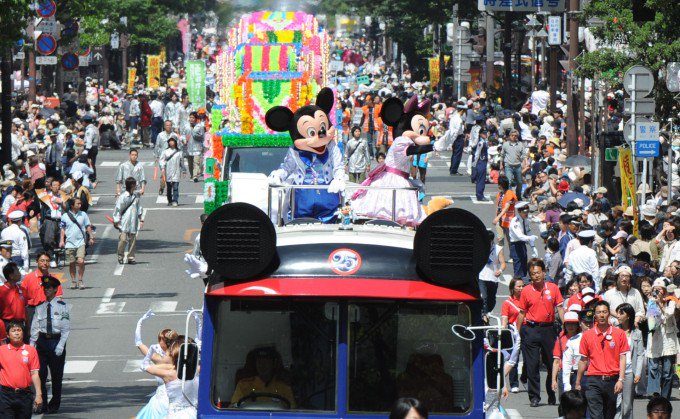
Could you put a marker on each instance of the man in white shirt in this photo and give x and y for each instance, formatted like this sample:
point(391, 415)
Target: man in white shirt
point(584, 258)
point(162, 145)
point(539, 99)
point(519, 235)
point(455, 135)
point(156, 116)
point(91, 142)
point(488, 276)
point(625, 293)
point(19, 239)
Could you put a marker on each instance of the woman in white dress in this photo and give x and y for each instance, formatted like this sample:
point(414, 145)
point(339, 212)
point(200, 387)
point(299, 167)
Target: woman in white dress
point(157, 407)
point(182, 402)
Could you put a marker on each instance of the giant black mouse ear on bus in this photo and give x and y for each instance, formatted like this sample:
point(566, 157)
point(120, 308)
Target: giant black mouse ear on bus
point(238, 241)
point(451, 247)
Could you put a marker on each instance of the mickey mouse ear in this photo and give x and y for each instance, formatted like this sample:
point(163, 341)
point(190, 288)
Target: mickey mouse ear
point(411, 105)
point(279, 118)
point(391, 111)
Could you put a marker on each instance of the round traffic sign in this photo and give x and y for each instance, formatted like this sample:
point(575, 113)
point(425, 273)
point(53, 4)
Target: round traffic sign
point(47, 8)
point(638, 79)
point(69, 61)
point(46, 44)
point(84, 51)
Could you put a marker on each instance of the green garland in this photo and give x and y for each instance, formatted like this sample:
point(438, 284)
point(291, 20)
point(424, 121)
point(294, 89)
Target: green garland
point(257, 140)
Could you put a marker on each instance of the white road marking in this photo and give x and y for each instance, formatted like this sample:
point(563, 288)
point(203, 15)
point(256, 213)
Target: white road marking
point(200, 199)
point(132, 365)
point(98, 245)
point(163, 306)
point(162, 199)
point(475, 201)
point(108, 308)
point(118, 163)
point(107, 295)
point(119, 269)
point(513, 413)
point(95, 200)
point(79, 367)
point(462, 165)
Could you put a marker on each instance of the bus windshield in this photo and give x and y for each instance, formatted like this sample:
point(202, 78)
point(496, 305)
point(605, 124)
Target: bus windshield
point(274, 354)
point(256, 159)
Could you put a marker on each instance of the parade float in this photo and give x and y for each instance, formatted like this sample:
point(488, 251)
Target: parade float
point(272, 58)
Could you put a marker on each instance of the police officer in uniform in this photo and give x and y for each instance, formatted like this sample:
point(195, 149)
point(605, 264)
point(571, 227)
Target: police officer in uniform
point(19, 239)
point(49, 332)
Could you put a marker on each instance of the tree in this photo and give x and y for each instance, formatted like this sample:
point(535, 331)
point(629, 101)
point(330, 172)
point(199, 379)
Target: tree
point(13, 16)
point(624, 43)
point(405, 22)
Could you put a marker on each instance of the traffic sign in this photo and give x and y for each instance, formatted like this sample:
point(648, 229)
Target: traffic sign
point(46, 8)
point(611, 154)
point(629, 128)
point(647, 131)
point(70, 76)
point(19, 56)
point(69, 61)
point(46, 44)
point(97, 55)
point(644, 106)
point(464, 77)
point(647, 149)
point(71, 28)
point(83, 61)
point(644, 80)
point(46, 60)
point(48, 26)
point(463, 65)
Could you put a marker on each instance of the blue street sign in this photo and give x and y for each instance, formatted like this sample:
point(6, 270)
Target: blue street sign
point(47, 8)
point(647, 148)
point(20, 43)
point(46, 44)
point(69, 61)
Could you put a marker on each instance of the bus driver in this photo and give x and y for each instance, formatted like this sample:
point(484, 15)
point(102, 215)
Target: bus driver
point(268, 369)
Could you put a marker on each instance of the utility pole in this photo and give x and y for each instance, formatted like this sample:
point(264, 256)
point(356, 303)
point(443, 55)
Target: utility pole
point(490, 44)
point(572, 111)
point(6, 102)
point(507, 60)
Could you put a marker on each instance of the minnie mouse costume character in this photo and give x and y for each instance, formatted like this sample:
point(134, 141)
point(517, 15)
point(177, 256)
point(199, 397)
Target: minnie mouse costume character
point(314, 159)
point(410, 127)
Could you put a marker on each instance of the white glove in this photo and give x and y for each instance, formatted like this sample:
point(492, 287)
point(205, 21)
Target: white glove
point(534, 252)
point(337, 185)
point(138, 329)
point(197, 267)
point(275, 178)
point(532, 240)
point(567, 386)
point(58, 351)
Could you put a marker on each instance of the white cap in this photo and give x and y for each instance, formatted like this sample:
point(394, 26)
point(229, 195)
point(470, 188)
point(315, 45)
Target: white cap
point(574, 307)
point(586, 234)
point(16, 215)
point(620, 235)
point(587, 290)
point(521, 204)
point(624, 268)
point(571, 317)
point(660, 282)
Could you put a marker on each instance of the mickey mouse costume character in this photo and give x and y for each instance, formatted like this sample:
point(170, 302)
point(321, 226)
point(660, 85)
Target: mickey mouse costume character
point(314, 159)
point(410, 127)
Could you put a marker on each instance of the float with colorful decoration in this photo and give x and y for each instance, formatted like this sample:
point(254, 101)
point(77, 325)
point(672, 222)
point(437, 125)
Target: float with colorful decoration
point(273, 58)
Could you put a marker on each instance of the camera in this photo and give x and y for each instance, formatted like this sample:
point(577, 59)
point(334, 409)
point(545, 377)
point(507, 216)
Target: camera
point(655, 293)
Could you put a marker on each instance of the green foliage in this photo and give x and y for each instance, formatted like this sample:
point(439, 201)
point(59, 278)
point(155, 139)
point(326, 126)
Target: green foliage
point(13, 19)
point(652, 44)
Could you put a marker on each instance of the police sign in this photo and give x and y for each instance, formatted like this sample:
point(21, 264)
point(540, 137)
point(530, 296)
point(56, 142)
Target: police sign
point(647, 139)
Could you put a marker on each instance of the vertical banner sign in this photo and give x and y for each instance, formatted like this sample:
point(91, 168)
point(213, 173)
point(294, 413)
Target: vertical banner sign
point(196, 82)
point(434, 73)
point(215, 120)
point(184, 30)
point(628, 191)
point(153, 72)
point(132, 75)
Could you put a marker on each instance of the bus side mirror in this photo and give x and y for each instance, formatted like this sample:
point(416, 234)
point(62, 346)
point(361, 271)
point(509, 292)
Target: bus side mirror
point(507, 342)
point(188, 361)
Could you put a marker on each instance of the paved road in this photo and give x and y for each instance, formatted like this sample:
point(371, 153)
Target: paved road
point(102, 374)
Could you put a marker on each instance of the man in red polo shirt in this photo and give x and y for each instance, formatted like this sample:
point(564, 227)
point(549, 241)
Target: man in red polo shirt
point(12, 302)
point(31, 286)
point(19, 367)
point(535, 322)
point(603, 353)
